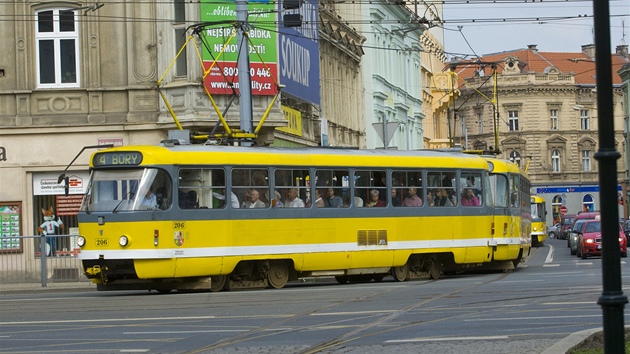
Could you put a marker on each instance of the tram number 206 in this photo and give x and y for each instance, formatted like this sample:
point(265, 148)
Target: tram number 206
point(179, 225)
point(102, 242)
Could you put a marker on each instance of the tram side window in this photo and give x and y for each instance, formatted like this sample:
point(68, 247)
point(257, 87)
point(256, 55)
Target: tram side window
point(472, 191)
point(335, 187)
point(514, 192)
point(439, 188)
point(293, 186)
point(408, 185)
point(370, 189)
point(201, 188)
point(251, 187)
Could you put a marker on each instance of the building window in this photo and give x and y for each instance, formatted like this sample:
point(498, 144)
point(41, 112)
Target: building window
point(513, 120)
point(588, 203)
point(584, 119)
point(554, 119)
point(515, 157)
point(586, 160)
point(555, 161)
point(179, 28)
point(479, 123)
point(57, 39)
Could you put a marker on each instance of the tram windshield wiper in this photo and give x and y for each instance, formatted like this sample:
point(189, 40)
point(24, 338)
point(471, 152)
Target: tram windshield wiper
point(127, 197)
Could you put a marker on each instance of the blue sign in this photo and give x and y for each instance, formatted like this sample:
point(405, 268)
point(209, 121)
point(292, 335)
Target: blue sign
point(570, 189)
point(298, 53)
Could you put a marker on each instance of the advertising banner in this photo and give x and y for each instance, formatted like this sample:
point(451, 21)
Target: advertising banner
point(262, 32)
point(299, 53)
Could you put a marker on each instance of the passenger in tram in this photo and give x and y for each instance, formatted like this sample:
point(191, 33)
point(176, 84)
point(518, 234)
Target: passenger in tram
point(254, 200)
point(319, 200)
point(395, 198)
point(332, 200)
point(293, 201)
point(276, 202)
point(358, 201)
point(442, 198)
point(469, 198)
point(374, 199)
point(221, 196)
point(412, 200)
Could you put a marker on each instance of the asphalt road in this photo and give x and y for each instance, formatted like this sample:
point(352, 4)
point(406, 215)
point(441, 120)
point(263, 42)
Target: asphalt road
point(550, 296)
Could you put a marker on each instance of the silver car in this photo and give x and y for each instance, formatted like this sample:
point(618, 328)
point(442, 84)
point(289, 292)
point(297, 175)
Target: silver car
point(572, 240)
point(553, 231)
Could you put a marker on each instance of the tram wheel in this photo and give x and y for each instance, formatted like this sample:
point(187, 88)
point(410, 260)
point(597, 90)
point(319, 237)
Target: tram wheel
point(435, 268)
point(217, 283)
point(278, 274)
point(341, 279)
point(401, 273)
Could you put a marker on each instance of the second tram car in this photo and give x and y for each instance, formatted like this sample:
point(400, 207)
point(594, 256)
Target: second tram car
point(539, 220)
point(191, 217)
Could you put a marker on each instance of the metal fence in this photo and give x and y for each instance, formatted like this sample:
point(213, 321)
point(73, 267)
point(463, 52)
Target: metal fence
point(35, 261)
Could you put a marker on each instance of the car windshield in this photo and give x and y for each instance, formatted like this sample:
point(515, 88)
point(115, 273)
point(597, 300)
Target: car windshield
point(592, 227)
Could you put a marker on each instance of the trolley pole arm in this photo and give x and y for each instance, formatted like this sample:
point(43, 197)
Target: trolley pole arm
point(63, 177)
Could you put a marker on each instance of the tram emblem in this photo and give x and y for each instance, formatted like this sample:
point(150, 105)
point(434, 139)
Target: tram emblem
point(179, 238)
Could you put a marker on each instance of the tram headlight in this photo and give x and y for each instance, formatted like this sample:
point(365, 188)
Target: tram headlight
point(535, 229)
point(80, 241)
point(123, 240)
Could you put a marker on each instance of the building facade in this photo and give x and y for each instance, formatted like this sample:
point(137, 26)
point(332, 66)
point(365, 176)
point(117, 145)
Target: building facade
point(544, 111)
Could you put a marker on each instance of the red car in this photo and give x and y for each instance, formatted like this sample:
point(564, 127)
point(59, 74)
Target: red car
point(590, 240)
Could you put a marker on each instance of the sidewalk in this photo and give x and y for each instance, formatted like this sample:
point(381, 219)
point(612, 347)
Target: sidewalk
point(82, 286)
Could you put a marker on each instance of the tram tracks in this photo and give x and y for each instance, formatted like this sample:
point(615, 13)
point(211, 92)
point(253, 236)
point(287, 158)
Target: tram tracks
point(357, 333)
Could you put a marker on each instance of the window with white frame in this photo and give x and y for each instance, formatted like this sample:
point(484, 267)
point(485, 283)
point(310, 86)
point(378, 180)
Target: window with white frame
point(555, 160)
point(479, 123)
point(515, 157)
point(57, 48)
point(513, 120)
point(586, 160)
point(554, 119)
point(179, 28)
point(584, 119)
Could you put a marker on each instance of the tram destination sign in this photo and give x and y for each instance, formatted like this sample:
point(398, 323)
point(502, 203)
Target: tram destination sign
point(117, 158)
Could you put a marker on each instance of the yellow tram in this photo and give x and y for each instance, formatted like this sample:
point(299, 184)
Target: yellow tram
point(539, 220)
point(200, 217)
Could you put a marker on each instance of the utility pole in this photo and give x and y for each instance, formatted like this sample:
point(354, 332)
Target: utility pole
point(612, 299)
point(244, 79)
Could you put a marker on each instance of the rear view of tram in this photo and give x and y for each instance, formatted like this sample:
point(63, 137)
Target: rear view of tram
point(539, 217)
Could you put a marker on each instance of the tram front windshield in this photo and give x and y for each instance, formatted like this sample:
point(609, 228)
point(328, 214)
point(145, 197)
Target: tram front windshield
point(538, 212)
point(125, 190)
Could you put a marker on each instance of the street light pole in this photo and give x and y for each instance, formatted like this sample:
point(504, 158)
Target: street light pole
point(612, 299)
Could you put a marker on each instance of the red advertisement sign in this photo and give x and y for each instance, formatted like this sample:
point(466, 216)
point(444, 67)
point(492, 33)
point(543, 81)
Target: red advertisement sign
point(224, 74)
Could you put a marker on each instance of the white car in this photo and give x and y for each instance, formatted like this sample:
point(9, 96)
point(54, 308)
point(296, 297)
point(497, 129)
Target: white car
point(553, 231)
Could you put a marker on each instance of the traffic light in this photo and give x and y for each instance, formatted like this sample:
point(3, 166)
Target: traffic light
point(294, 19)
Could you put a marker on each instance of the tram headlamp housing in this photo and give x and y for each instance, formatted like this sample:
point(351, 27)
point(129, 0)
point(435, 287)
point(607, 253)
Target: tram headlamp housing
point(123, 241)
point(80, 241)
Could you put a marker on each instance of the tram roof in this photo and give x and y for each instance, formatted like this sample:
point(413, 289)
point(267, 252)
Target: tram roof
point(286, 156)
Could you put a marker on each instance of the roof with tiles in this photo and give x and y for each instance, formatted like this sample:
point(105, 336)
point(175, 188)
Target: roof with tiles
point(533, 61)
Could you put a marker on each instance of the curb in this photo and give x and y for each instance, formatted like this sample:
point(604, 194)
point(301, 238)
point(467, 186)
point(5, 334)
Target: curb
point(571, 341)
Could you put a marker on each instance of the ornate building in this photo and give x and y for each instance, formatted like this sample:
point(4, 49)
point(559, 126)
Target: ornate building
point(544, 111)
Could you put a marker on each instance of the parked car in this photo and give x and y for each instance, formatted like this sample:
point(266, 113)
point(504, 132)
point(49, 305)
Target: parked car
point(573, 236)
point(589, 241)
point(552, 231)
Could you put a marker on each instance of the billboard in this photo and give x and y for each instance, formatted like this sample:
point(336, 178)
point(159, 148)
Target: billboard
point(298, 57)
point(262, 32)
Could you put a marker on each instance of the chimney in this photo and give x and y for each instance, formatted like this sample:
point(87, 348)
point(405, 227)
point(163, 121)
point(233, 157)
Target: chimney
point(622, 50)
point(533, 47)
point(589, 50)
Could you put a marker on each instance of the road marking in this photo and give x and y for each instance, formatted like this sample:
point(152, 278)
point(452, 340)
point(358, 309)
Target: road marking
point(529, 318)
point(585, 263)
point(551, 265)
point(441, 339)
point(134, 350)
point(178, 332)
point(549, 258)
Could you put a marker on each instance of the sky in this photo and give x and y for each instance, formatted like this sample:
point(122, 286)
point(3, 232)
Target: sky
point(559, 28)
